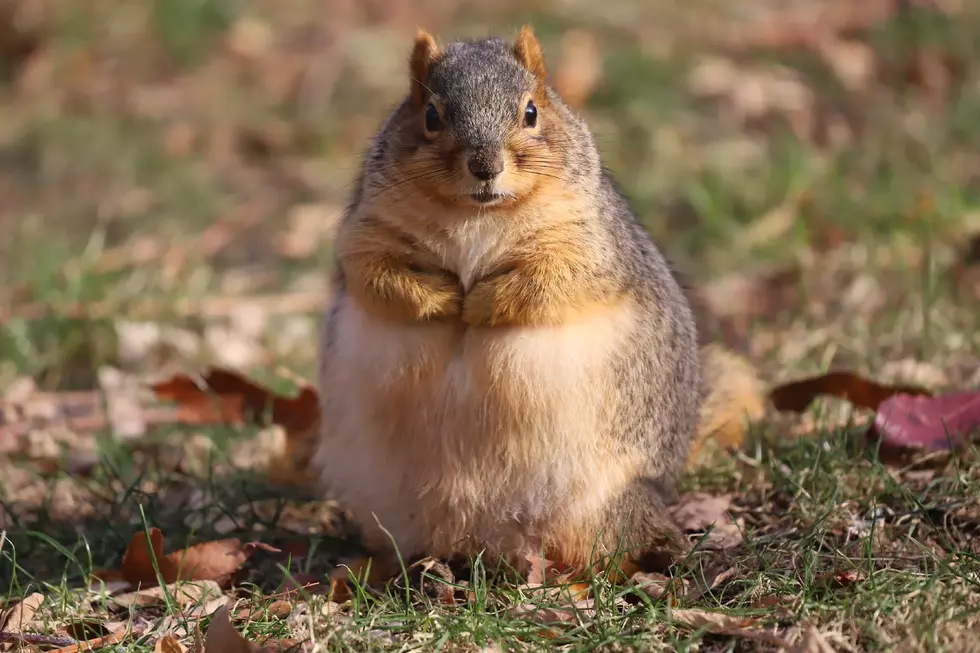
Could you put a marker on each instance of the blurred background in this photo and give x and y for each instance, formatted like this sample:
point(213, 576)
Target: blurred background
point(171, 170)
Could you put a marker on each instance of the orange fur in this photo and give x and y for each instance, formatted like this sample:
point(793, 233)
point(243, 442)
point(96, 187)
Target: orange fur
point(390, 281)
point(527, 49)
point(424, 53)
point(472, 380)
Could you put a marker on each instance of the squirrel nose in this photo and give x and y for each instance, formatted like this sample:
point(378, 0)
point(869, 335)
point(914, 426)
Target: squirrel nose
point(485, 167)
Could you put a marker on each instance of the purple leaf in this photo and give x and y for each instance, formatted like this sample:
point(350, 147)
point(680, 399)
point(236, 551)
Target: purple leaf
point(930, 423)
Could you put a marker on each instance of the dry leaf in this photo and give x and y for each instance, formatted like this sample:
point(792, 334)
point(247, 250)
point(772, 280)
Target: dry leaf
point(719, 623)
point(169, 644)
point(223, 638)
point(138, 560)
point(656, 586)
point(697, 512)
point(711, 579)
point(96, 643)
point(937, 423)
point(542, 571)
point(839, 579)
point(797, 396)
point(216, 560)
point(812, 642)
point(226, 397)
point(184, 593)
point(19, 617)
point(552, 615)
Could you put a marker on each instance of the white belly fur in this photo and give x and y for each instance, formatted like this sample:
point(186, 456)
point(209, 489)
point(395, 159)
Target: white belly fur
point(444, 433)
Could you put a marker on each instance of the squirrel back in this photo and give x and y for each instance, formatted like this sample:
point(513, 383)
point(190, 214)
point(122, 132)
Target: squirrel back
point(507, 361)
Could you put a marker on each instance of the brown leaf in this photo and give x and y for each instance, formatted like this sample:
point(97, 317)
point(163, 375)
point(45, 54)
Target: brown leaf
point(223, 638)
point(96, 643)
point(719, 623)
point(437, 580)
point(656, 586)
point(697, 511)
point(340, 590)
point(839, 579)
point(185, 594)
point(240, 400)
point(138, 560)
point(551, 615)
point(542, 571)
point(216, 560)
point(797, 396)
point(18, 618)
point(169, 644)
point(812, 642)
point(711, 579)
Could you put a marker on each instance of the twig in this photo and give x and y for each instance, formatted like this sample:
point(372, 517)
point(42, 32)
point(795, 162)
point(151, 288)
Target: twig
point(93, 644)
point(38, 640)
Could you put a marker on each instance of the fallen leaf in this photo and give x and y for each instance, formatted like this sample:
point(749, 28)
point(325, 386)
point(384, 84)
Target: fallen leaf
point(18, 618)
point(96, 643)
point(656, 586)
point(696, 512)
point(223, 638)
point(185, 594)
point(340, 590)
point(140, 557)
point(719, 623)
point(251, 401)
point(812, 642)
point(169, 644)
point(216, 560)
point(839, 579)
point(223, 396)
point(552, 615)
point(798, 395)
point(938, 423)
point(711, 579)
point(436, 580)
point(541, 571)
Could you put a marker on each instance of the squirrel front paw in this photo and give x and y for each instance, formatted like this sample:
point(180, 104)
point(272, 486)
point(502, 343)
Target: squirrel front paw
point(434, 295)
point(509, 298)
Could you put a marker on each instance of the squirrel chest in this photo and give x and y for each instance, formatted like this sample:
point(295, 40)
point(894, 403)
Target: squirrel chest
point(450, 434)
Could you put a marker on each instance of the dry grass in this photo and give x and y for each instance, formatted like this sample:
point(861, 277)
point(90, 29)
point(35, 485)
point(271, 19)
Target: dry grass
point(170, 171)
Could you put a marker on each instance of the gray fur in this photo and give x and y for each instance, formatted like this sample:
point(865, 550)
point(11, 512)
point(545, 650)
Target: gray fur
point(480, 83)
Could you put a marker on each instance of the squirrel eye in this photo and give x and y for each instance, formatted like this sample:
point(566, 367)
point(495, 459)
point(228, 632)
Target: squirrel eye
point(432, 121)
point(530, 114)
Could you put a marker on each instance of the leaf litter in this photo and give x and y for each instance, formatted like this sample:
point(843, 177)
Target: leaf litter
point(906, 418)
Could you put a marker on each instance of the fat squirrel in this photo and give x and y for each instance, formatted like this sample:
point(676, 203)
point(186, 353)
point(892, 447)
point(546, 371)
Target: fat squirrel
point(507, 363)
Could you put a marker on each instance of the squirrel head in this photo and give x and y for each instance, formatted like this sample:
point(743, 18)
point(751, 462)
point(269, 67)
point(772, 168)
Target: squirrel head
point(480, 128)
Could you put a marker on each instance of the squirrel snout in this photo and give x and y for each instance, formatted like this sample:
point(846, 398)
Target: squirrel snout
point(484, 165)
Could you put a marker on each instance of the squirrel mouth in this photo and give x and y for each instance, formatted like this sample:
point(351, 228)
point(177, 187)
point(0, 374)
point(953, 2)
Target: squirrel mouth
point(486, 196)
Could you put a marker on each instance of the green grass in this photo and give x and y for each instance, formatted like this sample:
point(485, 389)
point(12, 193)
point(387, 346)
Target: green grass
point(89, 175)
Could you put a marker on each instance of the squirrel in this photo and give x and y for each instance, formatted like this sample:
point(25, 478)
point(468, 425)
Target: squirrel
point(507, 362)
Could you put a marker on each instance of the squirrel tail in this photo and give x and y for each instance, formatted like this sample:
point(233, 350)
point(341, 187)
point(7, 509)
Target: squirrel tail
point(734, 396)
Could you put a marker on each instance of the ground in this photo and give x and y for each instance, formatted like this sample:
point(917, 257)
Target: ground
point(169, 175)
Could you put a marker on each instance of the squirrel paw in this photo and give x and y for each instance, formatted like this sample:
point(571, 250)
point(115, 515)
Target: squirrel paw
point(509, 298)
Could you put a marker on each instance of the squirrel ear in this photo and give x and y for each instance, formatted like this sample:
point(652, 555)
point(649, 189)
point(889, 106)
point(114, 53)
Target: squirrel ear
point(423, 54)
point(528, 52)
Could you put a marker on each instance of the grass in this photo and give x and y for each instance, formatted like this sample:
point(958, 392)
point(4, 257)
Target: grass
point(203, 158)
